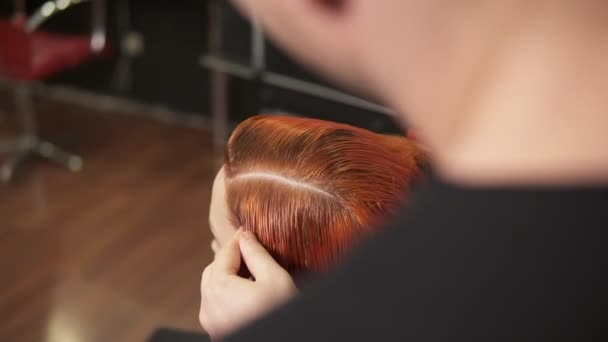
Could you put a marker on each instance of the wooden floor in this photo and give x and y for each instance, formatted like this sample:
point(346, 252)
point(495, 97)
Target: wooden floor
point(112, 252)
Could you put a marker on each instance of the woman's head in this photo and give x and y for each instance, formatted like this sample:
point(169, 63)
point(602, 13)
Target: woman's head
point(309, 188)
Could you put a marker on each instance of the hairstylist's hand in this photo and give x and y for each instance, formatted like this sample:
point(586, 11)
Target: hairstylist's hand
point(229, 301)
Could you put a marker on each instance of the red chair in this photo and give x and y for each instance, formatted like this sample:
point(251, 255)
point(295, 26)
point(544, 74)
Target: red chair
point(28, 55)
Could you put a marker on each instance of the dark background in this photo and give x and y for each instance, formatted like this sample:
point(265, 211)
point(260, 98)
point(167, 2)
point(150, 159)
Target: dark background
point(168, 73)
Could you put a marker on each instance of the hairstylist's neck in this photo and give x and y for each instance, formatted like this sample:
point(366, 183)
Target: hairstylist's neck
point(541, 115)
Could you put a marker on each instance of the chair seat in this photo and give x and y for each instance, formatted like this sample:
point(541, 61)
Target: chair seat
point(48, 53)
point(52, 53)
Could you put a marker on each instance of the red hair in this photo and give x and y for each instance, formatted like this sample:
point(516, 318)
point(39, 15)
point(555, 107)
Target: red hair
point(310, 188)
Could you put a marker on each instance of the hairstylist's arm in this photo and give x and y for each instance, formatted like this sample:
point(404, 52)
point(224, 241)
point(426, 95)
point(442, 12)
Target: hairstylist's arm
point(229, 301)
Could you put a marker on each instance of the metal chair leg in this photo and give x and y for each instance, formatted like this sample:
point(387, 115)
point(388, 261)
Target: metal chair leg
point(31, 147)
point(20, 149)
point(8, 169)
point(25, 108)
point(52, 152)
point(30, 144)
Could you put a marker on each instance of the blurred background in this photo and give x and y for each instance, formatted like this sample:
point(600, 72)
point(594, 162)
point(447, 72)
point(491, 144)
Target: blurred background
point(113, 116)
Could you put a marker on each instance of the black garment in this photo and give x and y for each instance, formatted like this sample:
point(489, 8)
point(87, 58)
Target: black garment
point(175, 335)
point(465, 264)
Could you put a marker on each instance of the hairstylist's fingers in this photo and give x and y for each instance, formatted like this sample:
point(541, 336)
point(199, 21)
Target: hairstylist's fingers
point(259, 262)
point(228, 258)
point(229, 301)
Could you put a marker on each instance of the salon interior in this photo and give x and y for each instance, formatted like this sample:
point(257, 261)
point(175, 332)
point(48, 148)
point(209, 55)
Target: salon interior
point(113, 120)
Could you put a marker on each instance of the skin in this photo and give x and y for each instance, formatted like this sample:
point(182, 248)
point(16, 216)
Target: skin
point(221, 227)
point(503, 92)
point(231, 245)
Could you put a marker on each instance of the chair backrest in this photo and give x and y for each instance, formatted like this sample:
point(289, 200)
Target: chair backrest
point(15, 52)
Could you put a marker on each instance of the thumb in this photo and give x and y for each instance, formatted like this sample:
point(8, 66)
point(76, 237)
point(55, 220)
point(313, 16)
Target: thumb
point(259, 262)
point(228, 259)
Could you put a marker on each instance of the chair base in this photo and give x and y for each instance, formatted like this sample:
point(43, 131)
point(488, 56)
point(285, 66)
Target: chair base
point(32, 146)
